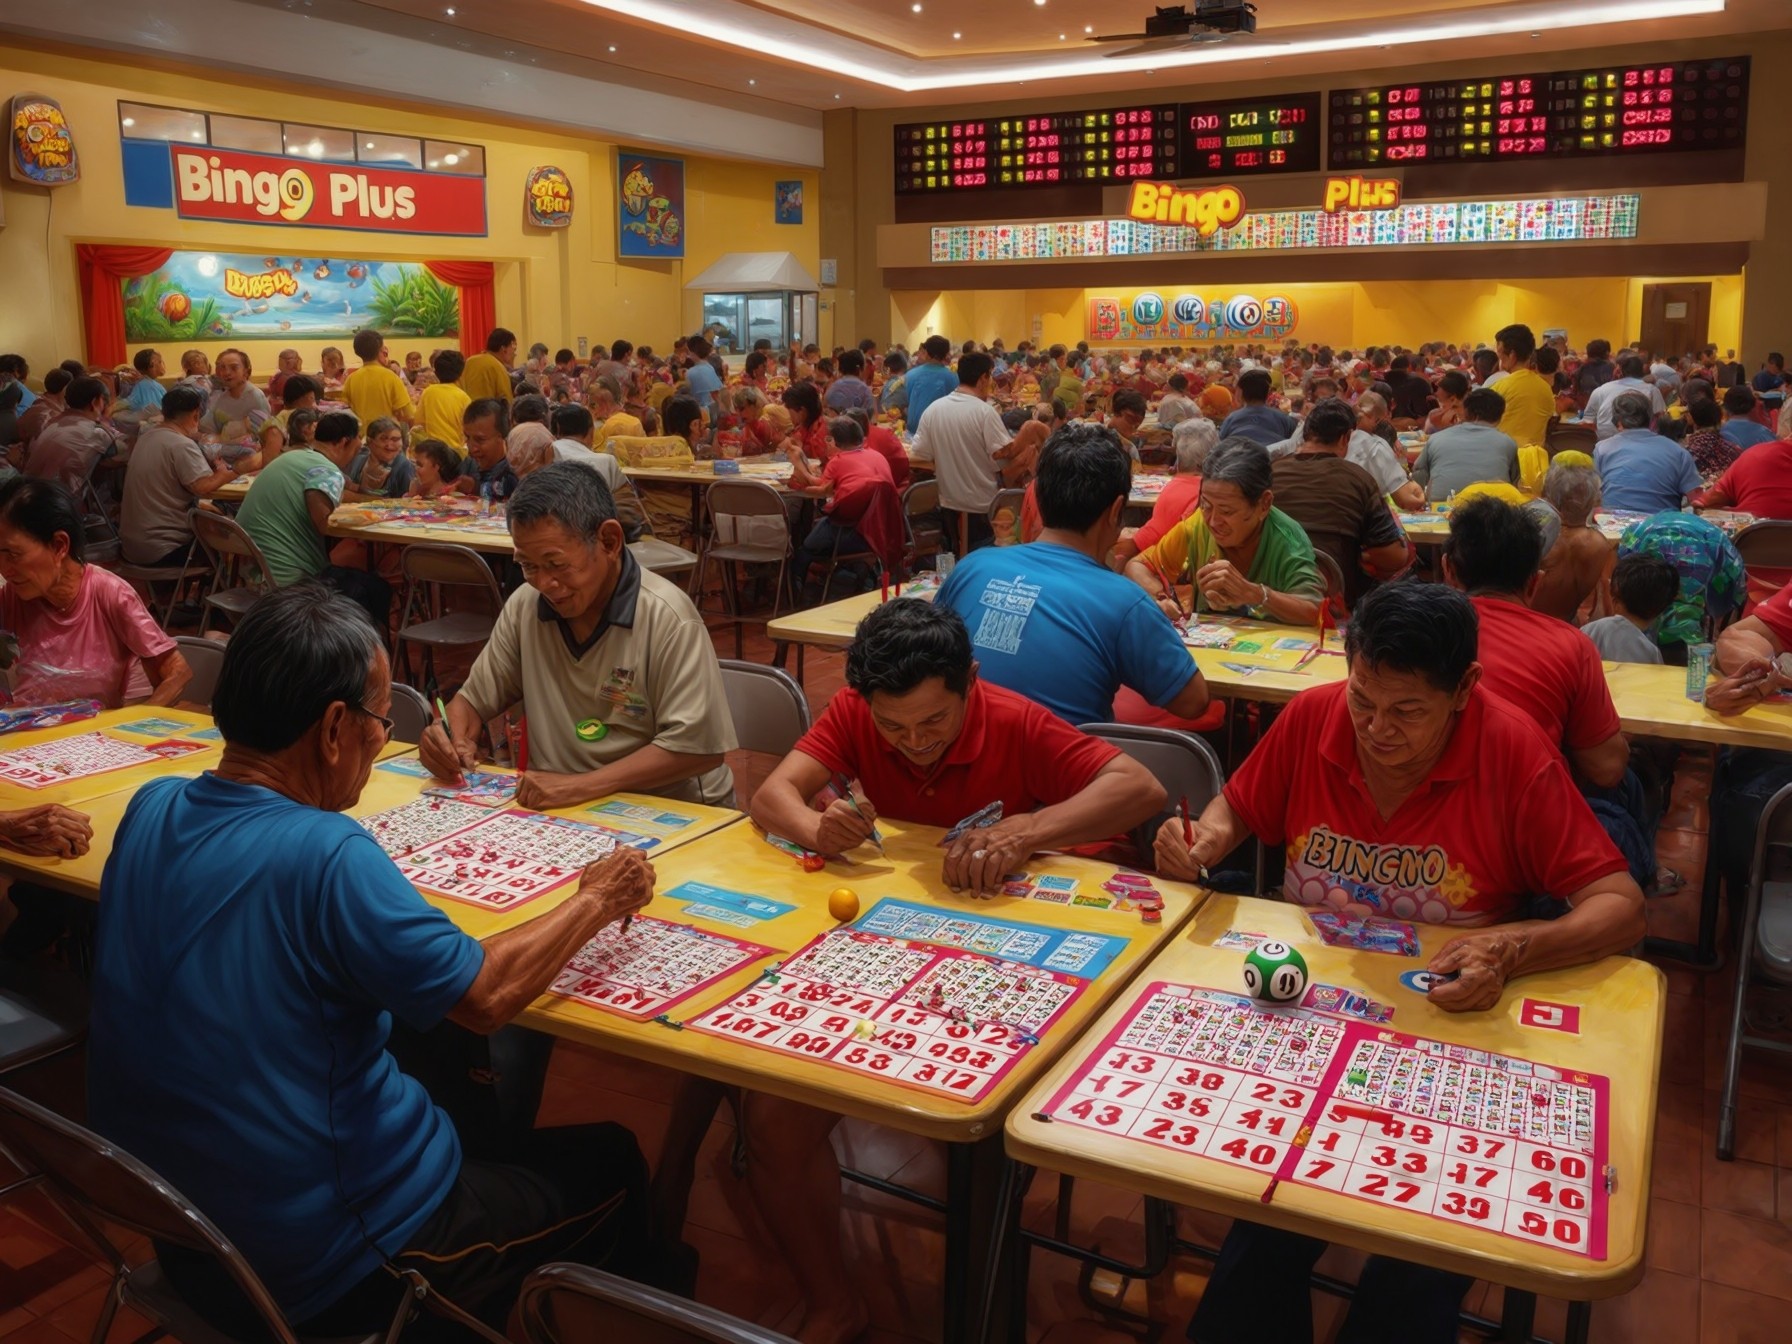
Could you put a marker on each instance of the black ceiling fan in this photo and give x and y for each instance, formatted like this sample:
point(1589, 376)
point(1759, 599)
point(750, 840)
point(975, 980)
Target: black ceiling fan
point(1175, 26)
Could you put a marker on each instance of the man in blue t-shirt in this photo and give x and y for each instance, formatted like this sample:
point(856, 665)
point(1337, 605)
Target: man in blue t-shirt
point(1257, 420)
point(1640, 470)
point(932, 376)
point(1050, 620)
point(254, 946)
point(705, 383)
point(1739, 426)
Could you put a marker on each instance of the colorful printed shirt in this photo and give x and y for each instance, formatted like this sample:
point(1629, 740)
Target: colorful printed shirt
point(1712, 579)
point(1711, 453)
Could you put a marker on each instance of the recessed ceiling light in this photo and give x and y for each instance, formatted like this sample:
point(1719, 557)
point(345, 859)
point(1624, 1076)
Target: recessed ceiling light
point(370, 144)
point(449, 11)
point(130, 121)
point(752, 81)
point(612, 47)
point(1060, 37)
point(451, 159)
point(836, 97)
point(196, 135)
point(1039, 2)
point(957, 36)
point(916, 8)
point(1088, 27)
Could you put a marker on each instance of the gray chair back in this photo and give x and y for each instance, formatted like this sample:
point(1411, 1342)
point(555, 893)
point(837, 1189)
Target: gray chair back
point(410, 713)
point(1185, 765)
point(575, 1304)
point(770, 710)
point(206, 658)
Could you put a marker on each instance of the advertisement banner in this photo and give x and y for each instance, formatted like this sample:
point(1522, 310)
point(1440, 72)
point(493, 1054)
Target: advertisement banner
point(1148, 317)
point(218, 295)
point(649, 206)
point(43, 146)
point(244, 188)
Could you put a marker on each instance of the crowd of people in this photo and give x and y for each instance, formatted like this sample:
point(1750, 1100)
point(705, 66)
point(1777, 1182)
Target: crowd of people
point(341, 1150)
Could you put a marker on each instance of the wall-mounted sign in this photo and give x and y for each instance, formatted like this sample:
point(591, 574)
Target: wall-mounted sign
point(788, 203)
point(1360, 193)
point(1209, 209)
point(1149, 316)
point(201, 182)
point(218, 295)
point(650, 206)
point(43, 146)
point(547, 197)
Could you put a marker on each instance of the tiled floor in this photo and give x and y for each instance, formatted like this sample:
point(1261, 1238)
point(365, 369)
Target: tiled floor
point(1720, 1240)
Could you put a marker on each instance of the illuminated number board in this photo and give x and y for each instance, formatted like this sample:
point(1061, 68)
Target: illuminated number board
point(1636, 109)
point(1248, 137)
point(1043, 150)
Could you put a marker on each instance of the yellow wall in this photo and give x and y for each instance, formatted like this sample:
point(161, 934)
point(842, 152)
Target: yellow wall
point(553, 285)
point(1385, 312)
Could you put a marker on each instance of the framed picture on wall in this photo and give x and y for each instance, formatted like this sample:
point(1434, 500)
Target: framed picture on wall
point(788, 203)
point(650, 206)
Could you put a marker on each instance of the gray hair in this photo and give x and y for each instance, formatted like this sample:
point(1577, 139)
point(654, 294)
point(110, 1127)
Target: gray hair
point(1549, 522)
point(1371, 402)
point(747, 396)
point(1574, 490)
point(571, 495)
point(384, 425)
point(1194, 440)
point(1631, 410)
point(1241, 462)
point(300, 650)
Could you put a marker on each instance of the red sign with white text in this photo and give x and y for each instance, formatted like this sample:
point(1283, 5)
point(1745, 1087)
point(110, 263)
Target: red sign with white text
point(270, 189)
point(1551, 1016)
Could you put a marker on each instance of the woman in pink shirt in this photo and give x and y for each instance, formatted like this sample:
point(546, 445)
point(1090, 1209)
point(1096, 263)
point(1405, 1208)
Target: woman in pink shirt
point(81, 631)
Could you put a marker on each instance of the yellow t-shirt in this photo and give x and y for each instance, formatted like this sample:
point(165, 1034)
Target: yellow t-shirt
point(1530, 402)
point(443, 406)
point(486, 376)
point(620, 423)
point(660, 395)
point(372, 391)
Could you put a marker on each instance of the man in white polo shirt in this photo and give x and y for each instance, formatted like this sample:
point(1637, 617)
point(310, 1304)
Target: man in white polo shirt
point(962, 436)
point(621, 682)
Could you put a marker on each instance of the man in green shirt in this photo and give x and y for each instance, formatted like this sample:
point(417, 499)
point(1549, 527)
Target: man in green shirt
point(1069, 385)
point(287, 514)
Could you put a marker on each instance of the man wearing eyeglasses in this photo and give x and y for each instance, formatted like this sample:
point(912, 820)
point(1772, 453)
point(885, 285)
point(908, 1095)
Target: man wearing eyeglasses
point(254, 949)
point(621, 682)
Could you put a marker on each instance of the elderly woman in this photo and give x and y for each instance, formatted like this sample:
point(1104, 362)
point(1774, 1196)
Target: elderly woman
point(529, 448)
point(1408, 758)
point(1193, 440)
point(381, 470)
point(1245, 555)
point(82, 631)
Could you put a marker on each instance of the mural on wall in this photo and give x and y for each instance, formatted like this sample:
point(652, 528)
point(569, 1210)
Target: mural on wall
point(789, 198)
point(211, 295)
point(650, 206)
point(1147, 316)
point(43, 146)
point(548, 197)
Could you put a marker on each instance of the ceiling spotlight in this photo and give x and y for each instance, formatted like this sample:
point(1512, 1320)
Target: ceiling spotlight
point(1039, 2)
point(435, 163)
point(612, 48)
point(370, 144)
point(916, 8)
point(752, 81)
point(449, 11)
point(196, 135)
point(130, 121)
point(957, 36)
point(836, 97)
point(451, 159)
point(1088, 27)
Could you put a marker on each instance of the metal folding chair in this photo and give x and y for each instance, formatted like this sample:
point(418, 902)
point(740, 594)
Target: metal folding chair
point(206, 658)
point(410, 713)
point(1766, 947)
point(924, 532)
point(230, 549)
point(1006, 502)
point(142, 577)
point(575, 1304)
point(734, 507)
point(769, 709)
point(430, 567)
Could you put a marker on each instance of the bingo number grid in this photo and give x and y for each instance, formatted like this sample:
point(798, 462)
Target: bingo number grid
point(495, 860)
point(69, 758)
point(651, 966)
point(943, 1020)
point(1484, 1140)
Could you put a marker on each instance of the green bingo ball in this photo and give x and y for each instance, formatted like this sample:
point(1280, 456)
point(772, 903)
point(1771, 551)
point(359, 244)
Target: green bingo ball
point(1275, 971)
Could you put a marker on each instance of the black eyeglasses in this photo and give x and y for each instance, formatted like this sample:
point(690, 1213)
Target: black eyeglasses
point(384, 722)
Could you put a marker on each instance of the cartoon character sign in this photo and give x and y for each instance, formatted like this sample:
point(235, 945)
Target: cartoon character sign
point(789, 209)
point(548, 197)
point(43, 146)
point(650, 201)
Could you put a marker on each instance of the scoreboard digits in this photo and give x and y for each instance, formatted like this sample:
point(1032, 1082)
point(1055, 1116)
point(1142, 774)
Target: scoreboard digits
point(1114, 144)
point(1248, 137)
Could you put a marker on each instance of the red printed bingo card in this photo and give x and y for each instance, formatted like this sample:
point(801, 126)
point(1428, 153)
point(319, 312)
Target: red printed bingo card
point(1486, 1140)
point(497, 860)
point(651, 966)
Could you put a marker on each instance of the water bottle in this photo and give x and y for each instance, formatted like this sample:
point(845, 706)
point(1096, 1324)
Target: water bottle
point(485, 498)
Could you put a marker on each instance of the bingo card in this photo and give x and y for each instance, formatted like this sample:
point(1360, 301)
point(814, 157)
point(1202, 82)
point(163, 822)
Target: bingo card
point(1490, 1141)
point(497, 860)
point(48, 764)
point(651, 966)
point(942, 1019)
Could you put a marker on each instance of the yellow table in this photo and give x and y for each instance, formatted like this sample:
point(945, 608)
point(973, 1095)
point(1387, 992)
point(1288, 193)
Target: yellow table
point(367, 521)
point(1652, 702)
point(233, 492)
point(1621, 1004)
point(111, 723)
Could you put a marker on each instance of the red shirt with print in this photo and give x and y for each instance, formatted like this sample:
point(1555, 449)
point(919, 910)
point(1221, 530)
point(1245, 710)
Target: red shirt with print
point(1009, 748)
point(1497, 822)
point(1547, 669)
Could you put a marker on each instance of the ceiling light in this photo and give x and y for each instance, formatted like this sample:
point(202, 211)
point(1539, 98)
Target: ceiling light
point(916, 8)
point(451, 159)
point(836, 97)
point(1088, 27)
point(315, 149)
point(1039, 2)
point(370, 144)
point(1060, 37)
point(752, 82)
point(957, 36)
point(449, 11)
point(130, 121)
point(612, 48)
point(435, 163)
point(196, 135)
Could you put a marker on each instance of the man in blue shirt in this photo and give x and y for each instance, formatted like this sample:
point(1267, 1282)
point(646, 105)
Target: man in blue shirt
point(705, 383)
point(1738, 426)
point(850, 391)
point(1050, 620)
point(1257, 420)
point(1639, 470)
point(146, 393)
point(931, 377)
point(253, 948)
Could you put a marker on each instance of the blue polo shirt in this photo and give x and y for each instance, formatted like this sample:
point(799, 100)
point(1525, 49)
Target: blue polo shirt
point(1053, 625)
point(926, 384)
point(704, 383)
point(1259, 422)
point(1643, 472)
point(1746, 433)
point(250, 953)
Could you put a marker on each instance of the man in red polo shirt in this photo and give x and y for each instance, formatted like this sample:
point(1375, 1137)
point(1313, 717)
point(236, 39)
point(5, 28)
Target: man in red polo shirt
point(1749, 673)
point(1408, 790)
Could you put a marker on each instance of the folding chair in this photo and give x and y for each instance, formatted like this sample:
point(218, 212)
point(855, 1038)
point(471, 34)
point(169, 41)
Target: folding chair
point(924, 532)
point(1333, 574)
point(410, 713)
point(575, 1304)
point(206, 658)
point(429, 567)
point(770, 710)
point(92, 1183)
point(1766, 946)
point(1006, 502)
point(230, 548)
point(1560, 438)
point(747, 525)
point(662, 557)
point(102, 533)
point(43, 1012)
point(143, 577)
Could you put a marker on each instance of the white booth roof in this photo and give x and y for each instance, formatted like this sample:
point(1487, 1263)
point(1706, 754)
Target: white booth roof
point(751, 272)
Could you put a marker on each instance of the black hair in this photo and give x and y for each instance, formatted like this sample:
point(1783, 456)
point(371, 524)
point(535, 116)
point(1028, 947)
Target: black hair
point(1426, 629)
point(1130, 400)
point(368, 343)
point(846, 432)
point(500, 337)
point(84, 392)
point(1455, 382)
point(74, 368)
point(1598, 349)
point(1493, 546)
point(144, 360)
point(14, 365)
point(562, 355)
point(1241, 462)
point(494, 407)
point(1485, 360)
point(1253, 385)
point(1016, 416)
point(895, 362)
point(1632, 366)
point(56, 381)
point(448, 365)
point(1517, 338)
point(306, 417)
point(40, 509)
point(1083, 469)
point(572, 421)
point(1177, 382)
point(529, 409)
point(298, 651)
point(974, 368)
point(1704, 413)
point(757, 360)
point(938, 349)
point(446, 459)
point(1547, 359)
point(569, 494)
point(1484, 404)
point(181, 399)
point(337, 426)
point(1738, 399)
point(904, 643)
point(682, 413)
point(1646, 584)
point(851, 363)
point(803, 397)
point(621, 350)
point(297, 385)
point(699, 346)
point(11, 395)
point(1330, 419)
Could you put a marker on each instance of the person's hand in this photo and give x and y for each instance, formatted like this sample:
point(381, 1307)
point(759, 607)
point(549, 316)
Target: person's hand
point(1483, 962)
point(979, 859)
point(447, 758)
point(49, 829)
point(619, 884)
point(1223, 586)
point(544, 791)
point(1745, 688)
point(1177, 858)
point(839, 829)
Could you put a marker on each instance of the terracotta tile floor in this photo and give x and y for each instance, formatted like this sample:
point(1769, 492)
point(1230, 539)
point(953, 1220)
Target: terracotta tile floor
point(1720, 1251)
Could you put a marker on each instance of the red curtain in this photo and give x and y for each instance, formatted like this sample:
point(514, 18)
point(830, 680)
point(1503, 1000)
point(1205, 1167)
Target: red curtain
point(102, 297)
point(478, 300)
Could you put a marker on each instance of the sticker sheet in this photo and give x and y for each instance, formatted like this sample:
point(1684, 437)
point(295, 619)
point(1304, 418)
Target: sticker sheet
point(1489, 1141)
point(48, 764)
point(1075, 953)
point(944, 1020)
point(652, 966)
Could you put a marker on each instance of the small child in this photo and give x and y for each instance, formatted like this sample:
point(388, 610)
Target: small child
point(438, 467)
point(1643, 586)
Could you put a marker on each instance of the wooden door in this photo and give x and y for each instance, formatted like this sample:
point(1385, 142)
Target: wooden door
point(1676, 318)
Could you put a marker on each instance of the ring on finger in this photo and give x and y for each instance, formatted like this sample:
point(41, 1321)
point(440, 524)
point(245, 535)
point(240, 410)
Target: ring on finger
point(979, 853)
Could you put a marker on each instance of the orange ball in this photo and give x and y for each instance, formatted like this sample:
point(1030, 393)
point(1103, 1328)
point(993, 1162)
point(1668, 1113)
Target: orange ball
point(843, 904)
